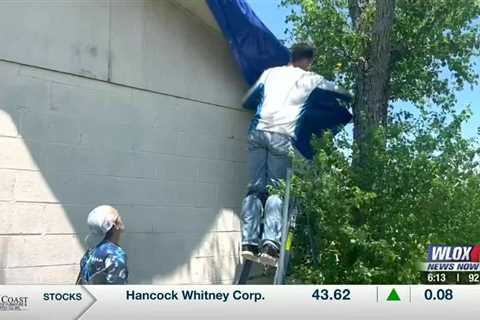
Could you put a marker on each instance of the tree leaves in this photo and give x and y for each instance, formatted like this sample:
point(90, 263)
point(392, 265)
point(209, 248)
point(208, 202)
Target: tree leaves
point(429, 38)
point(425, 188)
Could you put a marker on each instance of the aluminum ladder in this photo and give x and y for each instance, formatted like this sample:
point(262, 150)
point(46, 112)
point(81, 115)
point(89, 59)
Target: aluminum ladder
point(289, 214)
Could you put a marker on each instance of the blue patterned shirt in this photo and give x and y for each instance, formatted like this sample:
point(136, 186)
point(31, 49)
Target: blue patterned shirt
point(104, 264)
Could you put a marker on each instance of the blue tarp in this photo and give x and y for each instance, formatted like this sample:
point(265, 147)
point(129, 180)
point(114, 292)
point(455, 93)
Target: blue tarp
point(256, 49)
point(254, 46)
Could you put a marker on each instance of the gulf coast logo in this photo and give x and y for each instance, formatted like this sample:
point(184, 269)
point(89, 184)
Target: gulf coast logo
point(13, 303)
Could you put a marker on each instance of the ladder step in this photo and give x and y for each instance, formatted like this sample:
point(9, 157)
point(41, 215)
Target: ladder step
point(264, 262)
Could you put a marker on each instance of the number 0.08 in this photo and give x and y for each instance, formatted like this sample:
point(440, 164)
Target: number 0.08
point(337, 294)
point(439, 294)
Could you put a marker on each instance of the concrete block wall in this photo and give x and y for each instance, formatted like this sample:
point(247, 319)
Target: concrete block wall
point(88, 116)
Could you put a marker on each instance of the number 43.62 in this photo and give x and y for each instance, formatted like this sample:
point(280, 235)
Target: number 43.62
point(336, 294)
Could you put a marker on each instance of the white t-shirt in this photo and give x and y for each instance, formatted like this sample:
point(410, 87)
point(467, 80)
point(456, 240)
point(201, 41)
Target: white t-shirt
point(281, 93)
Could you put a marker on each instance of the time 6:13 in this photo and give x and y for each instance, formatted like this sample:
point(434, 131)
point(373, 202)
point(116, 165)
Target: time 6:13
point(332, 295)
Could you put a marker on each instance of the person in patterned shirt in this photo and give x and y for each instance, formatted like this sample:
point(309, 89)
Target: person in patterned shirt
point(105, 262)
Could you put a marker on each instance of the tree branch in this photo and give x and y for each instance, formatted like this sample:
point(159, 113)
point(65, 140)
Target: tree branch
point(354, 11)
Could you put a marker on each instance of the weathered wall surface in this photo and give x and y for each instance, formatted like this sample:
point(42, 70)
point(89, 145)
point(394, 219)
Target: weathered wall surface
point(130, 103)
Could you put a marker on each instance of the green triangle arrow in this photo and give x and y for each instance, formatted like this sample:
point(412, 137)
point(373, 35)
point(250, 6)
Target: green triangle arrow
point(393, 296)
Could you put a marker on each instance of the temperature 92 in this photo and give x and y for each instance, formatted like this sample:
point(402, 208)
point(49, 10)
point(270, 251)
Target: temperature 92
point(336, 294)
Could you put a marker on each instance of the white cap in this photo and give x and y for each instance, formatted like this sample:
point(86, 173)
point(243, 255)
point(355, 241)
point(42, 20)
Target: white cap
point(100, 220)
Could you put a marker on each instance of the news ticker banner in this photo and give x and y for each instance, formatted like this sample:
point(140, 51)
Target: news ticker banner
point(240, 302)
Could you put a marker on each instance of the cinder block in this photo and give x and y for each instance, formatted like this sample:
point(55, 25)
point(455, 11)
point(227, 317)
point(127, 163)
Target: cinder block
point(96, 161)
point(16, 154)
point(20, 276)
point(180, 275)
point(160, 140)
point(228, 220)
point(239, 122)
point(206, 195)
point(169, 113)
point(216, 244)
point(48, 275)
point(207, 120)
point(235, 150)
point(101, 161)
point(32, 186)
point(145, 192)
point(185, 120)
point(184, 194)
point(182, 220)
point(105, 135)
point(33, 126)
point(139, 164)
point(63, 129)
point(50, 127)
point(9, 71)
point(81, 159)
point(179, 169)
point(158, 255)
point(18, 218)
point(9, 120)
point(193, 194)
point(211, 270)
point(118, 107)
point(7, 185)
point(63, 159)
point(169, 260)
point(242, 174)
point(77, 100)
point(142, 219)
point(95, 189)
point(33, 250)
point(201, 271)
point(51, 275)
point(228, 268)
point(216, 171)
point(33, 94)
point(191, 271)
point(151, 110)
point(200, 146)
point(65, 219)
point(19, 91)
point(230, 195)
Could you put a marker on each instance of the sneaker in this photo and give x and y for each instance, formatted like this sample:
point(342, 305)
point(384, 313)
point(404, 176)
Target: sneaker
point(249, 251)
point(269, 255)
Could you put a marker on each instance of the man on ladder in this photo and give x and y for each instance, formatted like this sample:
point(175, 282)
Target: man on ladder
point(280, 97)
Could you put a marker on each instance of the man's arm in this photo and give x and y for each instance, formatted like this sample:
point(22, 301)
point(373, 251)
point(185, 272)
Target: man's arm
point(312, 81)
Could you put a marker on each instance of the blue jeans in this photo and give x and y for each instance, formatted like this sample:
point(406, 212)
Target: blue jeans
point(268, 157)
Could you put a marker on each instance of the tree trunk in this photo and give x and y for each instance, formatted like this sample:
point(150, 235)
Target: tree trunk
point(373, 75)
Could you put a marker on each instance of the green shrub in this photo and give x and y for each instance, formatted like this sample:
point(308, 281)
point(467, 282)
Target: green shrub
point(421, 186)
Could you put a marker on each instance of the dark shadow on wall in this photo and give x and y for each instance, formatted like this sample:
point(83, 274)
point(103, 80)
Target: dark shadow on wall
point(113, 145)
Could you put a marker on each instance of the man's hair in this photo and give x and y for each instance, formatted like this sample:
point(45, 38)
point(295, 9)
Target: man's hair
point(301, 51)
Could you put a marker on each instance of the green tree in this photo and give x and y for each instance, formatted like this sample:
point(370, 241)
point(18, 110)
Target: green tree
point(424, 188)
point(390, 50)
point(404, 182)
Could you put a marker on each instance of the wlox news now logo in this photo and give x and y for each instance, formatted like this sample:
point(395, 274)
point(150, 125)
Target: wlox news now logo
point(453, 258)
